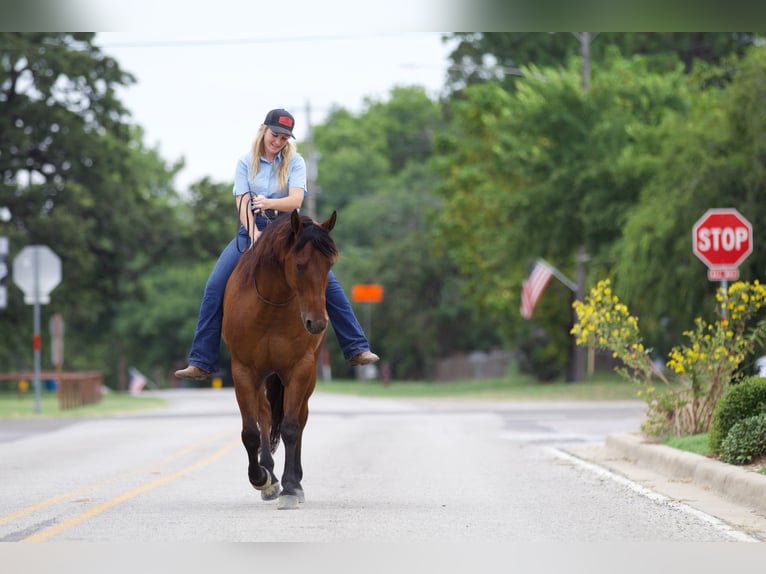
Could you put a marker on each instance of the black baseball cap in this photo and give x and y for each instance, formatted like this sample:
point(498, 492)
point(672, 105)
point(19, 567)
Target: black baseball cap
point(280, 121)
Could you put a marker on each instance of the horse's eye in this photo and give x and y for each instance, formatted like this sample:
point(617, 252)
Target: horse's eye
point(300, 267)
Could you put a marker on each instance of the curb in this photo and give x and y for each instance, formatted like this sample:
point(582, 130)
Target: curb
point(734, 483)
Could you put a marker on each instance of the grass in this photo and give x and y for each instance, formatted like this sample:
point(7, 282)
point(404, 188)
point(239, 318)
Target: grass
point(516, 388)
point(698, 443)
point(13, 406)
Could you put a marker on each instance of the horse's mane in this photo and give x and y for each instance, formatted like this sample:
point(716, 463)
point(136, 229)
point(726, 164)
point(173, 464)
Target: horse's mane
point(277, 239)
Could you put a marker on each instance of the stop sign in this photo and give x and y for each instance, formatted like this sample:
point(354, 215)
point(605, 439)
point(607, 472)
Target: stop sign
point(722, 238)
point(37, 271)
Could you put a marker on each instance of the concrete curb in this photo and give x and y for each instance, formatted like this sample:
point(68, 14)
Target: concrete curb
point(734, 483)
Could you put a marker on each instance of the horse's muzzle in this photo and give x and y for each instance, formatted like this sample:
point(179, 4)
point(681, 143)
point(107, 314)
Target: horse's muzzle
point(315, 326)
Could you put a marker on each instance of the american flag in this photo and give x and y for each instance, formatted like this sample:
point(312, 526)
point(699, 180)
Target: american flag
point(533, 287)
point(137, 382)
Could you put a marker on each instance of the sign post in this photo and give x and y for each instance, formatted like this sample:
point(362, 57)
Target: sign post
point(37, 271)
point(3, 272)
point(367, 293)
point(722, 239)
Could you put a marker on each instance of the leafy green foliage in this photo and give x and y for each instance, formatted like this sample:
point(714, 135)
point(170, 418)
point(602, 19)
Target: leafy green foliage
point(741, 401)
point(490, 56)
point(446, 204)
point(709, 154)
point(745, 441)
point(543, 169)
point(77, 178)
point(703, 367)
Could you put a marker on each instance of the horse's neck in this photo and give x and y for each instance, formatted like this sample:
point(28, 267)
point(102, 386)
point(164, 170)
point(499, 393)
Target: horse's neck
point(271, 283)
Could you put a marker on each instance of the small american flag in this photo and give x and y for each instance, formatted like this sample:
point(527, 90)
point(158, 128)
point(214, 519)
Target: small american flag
point(533, 287)
point(137, 382)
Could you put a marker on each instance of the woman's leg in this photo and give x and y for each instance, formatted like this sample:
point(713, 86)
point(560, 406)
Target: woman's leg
point(348, 331)
point(207, 338)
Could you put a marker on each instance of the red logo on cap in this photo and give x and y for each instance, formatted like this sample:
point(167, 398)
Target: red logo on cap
point(285, 121)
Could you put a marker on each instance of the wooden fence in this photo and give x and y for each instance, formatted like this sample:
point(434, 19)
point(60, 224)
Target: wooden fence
point(73, 389)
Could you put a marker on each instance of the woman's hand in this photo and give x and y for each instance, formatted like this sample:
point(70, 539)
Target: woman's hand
point(260, 203)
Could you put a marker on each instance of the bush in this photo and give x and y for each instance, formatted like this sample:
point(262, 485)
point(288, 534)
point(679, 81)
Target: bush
point(741, 401)
point(746, 440)
point(540, 357)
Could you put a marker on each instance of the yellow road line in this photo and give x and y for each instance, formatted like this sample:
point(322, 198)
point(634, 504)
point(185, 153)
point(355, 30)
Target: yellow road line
point(118, 478)
point(53, 530)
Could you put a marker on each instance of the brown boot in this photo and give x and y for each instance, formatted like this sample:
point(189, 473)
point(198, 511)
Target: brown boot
point(193, 373)
point(363, 358)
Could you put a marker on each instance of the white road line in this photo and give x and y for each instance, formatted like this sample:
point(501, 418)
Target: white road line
point(655, 496)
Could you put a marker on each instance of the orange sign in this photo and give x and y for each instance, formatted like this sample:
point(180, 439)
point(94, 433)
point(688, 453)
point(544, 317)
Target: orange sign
point(367, 293)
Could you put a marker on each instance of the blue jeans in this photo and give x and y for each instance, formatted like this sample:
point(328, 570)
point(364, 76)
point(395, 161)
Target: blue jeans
point(207, 338)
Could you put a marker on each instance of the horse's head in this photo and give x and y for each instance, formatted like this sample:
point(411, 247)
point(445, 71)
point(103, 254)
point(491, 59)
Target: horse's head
point(307, 266)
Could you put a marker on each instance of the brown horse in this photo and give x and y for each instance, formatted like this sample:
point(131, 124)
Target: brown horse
point(274, 323)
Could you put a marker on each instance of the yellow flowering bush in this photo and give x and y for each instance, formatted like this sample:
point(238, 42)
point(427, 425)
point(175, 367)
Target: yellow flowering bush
point(701, 369)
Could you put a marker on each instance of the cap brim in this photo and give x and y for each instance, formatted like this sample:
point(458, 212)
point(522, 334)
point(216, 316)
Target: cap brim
point(281, 130)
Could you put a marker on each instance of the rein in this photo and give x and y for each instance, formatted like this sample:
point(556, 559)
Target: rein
point(248, 222)
point(268, 302)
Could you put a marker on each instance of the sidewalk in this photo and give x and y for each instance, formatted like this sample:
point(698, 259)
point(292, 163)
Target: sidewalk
point(734, 483)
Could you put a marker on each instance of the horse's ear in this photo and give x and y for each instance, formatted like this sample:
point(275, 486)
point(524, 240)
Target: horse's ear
point(296, 222)
point(329, 223)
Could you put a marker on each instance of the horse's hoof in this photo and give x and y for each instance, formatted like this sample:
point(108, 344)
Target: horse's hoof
point(301, 496)
point(268, 484)
point(288, 502)
point(270, 493)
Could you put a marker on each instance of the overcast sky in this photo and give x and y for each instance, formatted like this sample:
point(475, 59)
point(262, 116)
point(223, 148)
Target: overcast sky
point(202, 95)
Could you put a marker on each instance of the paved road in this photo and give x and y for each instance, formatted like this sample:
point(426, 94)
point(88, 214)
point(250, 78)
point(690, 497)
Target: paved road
point(375, 470)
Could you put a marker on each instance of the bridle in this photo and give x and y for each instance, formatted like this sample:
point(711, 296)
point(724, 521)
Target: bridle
point(267, 301)
point(250, 222)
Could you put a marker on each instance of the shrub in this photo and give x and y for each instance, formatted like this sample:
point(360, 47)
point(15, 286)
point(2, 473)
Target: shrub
point(740, 401)
point(700, 371)
point(746, 440)
point(541, 357)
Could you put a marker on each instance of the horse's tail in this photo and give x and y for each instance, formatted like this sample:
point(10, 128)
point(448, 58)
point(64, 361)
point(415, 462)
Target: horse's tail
point(275, 392)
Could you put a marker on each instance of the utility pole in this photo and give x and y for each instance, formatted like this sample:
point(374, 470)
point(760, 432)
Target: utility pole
point(585, 40)
point(311, 166)
point(579, 367)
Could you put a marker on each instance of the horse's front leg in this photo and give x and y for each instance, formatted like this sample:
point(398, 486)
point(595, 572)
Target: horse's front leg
point(293, 424)
point(271, 490)
point(255, 429)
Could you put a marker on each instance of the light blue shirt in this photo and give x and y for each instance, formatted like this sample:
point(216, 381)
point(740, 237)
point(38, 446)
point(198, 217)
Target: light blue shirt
point(266, 180)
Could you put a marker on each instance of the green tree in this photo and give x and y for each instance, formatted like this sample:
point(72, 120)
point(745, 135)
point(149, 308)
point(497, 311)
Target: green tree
point(479, 57)
point(166, 311)
point(541, 172)
point(709, 155)
point(385, 233)
point(76, 177)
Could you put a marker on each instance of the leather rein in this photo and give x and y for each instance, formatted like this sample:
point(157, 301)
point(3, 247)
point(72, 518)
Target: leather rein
point(250, 222)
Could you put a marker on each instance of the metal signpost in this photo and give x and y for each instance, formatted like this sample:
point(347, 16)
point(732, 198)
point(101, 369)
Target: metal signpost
point(722, 239)
point(367, 293)
point(3, 272)
point(37, 271)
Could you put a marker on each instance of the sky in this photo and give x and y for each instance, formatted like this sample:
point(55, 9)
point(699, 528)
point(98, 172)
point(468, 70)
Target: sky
point(201, 95)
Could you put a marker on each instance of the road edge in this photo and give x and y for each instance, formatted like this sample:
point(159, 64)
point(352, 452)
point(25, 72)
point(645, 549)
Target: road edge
point(736, 484)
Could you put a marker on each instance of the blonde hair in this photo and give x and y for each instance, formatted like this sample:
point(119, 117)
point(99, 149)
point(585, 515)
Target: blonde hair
point(284, 166)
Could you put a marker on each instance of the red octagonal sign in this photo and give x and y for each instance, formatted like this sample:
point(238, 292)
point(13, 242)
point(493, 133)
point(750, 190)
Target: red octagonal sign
point(722, 239)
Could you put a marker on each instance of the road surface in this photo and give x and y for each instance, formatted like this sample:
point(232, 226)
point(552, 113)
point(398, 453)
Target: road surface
point(375, 470)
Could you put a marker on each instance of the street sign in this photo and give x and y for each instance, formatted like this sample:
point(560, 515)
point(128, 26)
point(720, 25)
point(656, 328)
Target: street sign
point(56, 327)
point(37, 271)
point(367, 293)
point(722, 239)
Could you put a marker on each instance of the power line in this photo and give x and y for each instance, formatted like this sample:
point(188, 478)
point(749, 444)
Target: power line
point(244, 41)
